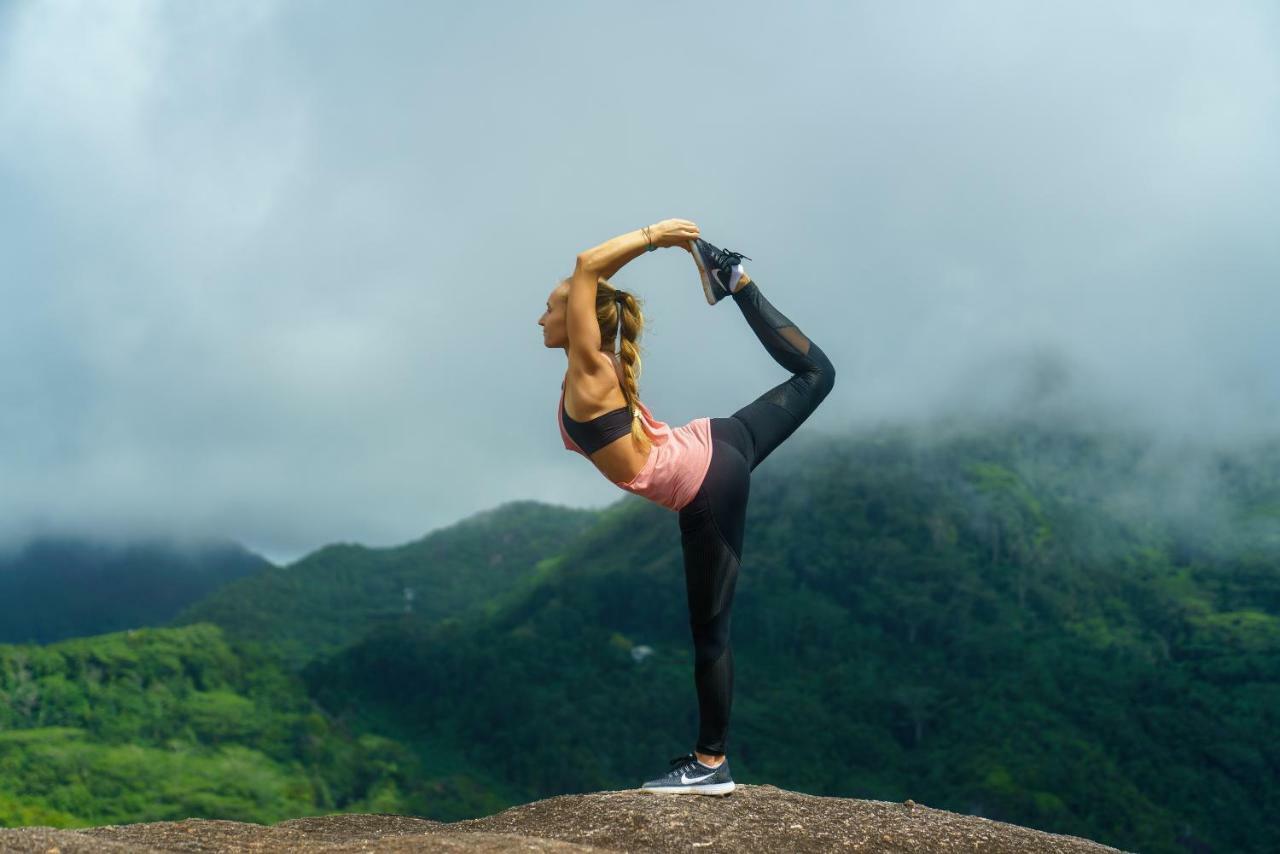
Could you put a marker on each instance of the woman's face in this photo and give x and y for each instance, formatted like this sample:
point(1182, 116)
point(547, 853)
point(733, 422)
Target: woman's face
point(554, 321)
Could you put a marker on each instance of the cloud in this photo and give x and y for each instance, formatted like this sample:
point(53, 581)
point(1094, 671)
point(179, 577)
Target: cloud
point(274, 271)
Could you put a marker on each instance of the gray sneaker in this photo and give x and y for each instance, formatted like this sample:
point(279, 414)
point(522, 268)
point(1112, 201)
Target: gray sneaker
point(688, 776)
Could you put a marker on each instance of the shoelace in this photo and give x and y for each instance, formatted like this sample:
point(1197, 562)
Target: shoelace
point(681, 761)
point(728, 258)
point(687, 761)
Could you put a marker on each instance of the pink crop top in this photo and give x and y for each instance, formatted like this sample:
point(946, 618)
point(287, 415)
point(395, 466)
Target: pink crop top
point(678, 460)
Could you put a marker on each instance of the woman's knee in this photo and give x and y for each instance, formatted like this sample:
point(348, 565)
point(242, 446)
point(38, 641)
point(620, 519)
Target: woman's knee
point(711, 639)
point(711, 576)
point(806, 389)
point(825, 372)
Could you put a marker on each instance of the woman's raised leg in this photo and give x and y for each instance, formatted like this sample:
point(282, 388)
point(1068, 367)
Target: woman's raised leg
point(775, 415)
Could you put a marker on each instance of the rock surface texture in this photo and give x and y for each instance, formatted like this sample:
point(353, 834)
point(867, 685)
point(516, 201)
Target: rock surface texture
point(752, 818)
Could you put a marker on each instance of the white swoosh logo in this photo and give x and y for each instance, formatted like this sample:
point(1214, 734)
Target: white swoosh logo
point(686, 780)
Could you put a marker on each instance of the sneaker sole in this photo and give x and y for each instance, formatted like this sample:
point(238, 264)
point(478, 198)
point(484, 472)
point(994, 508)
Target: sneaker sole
point(707, 287)
point(714, 789)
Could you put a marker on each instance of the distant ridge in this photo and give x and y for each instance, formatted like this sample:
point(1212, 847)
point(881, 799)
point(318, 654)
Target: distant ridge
point(57, 587)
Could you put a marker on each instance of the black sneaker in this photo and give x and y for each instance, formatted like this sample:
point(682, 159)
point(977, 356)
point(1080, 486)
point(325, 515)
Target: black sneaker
point(688, 776)
point(718, 268)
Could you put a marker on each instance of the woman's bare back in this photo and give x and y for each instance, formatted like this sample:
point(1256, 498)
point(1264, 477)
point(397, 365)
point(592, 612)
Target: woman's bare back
point(592, 396)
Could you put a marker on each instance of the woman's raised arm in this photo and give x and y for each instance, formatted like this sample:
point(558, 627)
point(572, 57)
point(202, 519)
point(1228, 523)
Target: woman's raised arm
point(609, 257)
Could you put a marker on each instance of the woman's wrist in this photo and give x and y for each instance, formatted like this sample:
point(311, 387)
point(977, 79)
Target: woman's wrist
point(607, 258)
point(648, 235)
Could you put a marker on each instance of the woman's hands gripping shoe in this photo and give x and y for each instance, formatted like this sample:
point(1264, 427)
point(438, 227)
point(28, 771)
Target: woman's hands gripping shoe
point(673, 232)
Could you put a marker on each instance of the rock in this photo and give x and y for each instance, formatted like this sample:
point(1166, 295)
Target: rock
point(752, 818)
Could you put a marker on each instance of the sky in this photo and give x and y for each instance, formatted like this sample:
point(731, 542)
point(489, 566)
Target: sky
point(273, 270)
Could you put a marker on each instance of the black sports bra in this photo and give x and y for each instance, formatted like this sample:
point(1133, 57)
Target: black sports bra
point(593, 435)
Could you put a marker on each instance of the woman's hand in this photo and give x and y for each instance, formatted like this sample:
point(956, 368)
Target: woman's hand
point(673, 232)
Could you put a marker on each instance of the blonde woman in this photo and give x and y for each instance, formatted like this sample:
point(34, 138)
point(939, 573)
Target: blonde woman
point(701, 469)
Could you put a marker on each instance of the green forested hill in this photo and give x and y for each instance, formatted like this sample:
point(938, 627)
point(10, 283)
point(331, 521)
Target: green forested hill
point(209, 720)
point(160, 724)
point(333, 596)
point(1026, 626)
point(1064, 631)
point(59, 587)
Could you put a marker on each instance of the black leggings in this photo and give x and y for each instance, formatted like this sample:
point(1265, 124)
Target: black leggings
point(711, 524)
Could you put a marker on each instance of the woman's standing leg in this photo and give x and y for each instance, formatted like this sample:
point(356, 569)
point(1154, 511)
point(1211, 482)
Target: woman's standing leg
point(776, 414)
point(712, 525)
point(711, 534)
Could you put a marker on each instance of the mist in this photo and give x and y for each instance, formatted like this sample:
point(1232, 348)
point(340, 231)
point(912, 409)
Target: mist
point(274, 271)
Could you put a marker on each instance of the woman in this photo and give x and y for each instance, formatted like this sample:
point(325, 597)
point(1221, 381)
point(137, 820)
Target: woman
point(701, 469)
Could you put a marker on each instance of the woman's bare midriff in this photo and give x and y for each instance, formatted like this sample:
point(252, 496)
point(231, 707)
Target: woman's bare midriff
point(620, 460)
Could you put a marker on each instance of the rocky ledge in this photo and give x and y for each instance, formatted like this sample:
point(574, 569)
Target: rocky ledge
point(752, 818)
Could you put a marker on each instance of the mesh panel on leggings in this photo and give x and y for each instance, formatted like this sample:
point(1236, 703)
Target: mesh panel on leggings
point(795, 338)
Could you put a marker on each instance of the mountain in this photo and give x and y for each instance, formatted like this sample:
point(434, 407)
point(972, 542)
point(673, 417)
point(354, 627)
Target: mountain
point(157, 724)
point(332, 597)
point(63, 586)
point(1030, 626)
point(1075, 633)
